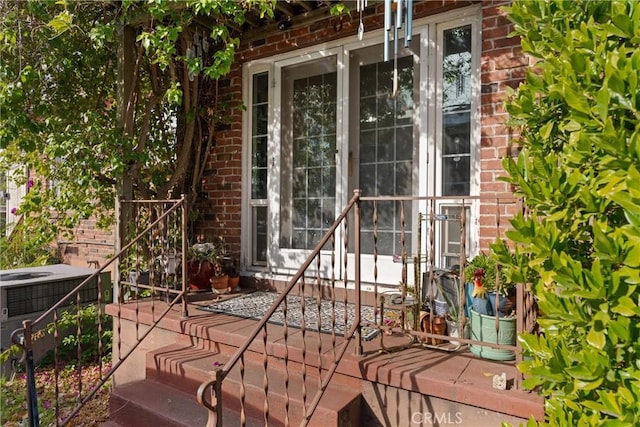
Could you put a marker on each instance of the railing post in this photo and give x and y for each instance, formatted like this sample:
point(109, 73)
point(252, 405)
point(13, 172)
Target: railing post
point(214, 405)
point(356, 277)
point(32, 396)
point(185, 310)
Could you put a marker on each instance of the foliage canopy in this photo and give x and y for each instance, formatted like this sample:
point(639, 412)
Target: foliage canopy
point(579, 172)
point(68, 119)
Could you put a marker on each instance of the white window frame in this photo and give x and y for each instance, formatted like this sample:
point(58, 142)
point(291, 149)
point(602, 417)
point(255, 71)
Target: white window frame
point(428, 119)
point(435, 167)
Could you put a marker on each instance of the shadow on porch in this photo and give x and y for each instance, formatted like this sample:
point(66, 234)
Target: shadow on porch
point(413, 386)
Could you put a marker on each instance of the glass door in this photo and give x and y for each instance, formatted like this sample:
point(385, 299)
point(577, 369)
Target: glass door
point(307, 174)
point(383, 155)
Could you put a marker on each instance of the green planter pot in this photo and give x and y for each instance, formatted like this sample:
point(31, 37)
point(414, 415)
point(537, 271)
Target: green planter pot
point(483, 328)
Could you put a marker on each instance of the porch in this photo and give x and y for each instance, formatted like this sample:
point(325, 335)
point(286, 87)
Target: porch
point(408, 385)
point(175, 363)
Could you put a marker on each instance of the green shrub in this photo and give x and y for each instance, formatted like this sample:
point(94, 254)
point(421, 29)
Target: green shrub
point(579, 173)
point(89, 338)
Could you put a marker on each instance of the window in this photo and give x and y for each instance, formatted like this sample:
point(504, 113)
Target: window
point(385, 145)
point(308, 168)
point(11, 195)
point(259, 139)
point(450, 235)
point(326, 120)
point(456, 111)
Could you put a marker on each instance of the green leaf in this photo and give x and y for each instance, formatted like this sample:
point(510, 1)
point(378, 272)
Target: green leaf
point(61, 23)
point(626, 307)
point(596, 339)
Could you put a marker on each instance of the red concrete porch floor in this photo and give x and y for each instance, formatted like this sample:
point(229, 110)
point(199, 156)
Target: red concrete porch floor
point(455, 376)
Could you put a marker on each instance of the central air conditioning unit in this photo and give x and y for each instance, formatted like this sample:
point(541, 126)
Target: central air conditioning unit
point(26, 293)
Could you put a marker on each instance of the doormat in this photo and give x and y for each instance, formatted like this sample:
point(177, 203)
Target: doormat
point(255, 305)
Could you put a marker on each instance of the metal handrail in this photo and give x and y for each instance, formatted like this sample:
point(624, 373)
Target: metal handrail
point(215, 407)
point(213, 387)
point(22, 337)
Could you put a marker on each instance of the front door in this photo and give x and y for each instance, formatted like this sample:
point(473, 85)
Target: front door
point(383, 156)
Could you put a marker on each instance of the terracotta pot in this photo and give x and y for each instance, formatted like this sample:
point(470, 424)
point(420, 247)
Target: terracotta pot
point(433, 325)
point(220, 283)
point(199, 275)
point(234, 281)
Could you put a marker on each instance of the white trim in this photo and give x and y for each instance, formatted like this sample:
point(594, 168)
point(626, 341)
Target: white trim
point(292, 258)
point(425, 113)
point(246, 217)
point(474, 131)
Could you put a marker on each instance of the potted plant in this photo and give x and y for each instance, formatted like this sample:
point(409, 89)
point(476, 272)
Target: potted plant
point(489, 285)
point(205, 262)
point(479, 275)
point(232, 272)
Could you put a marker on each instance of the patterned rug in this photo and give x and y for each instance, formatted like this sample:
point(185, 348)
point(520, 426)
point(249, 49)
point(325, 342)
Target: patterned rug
point(256, 304)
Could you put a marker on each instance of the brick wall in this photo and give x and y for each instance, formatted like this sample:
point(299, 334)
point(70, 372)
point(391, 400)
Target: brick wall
point(89, 243)
point(503, 65)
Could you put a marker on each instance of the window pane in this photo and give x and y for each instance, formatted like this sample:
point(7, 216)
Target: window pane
point(386, 164)
point(386, 111)
point(367, 146)
point(314, 213)
point(260, 88)
point(456, 69)
point(308, 172)
point(450, 237)
point(259, 152)
point(299, 213)
point(367, 80)
point(259, 183)
point(259, 114)
point(260, 119)
point(455, 176)
point(456, 112)
point(368, 179)
point(456, 133)
point(404, 143)
point(385, 179)
point(385, 146)
point(259, 234)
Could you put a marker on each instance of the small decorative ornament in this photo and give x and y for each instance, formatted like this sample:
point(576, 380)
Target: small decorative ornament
point(360, 6)
point(397, 14)
point(500, 381)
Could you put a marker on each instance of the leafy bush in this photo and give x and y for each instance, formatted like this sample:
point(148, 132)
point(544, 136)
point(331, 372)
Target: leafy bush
point(579, 173)
point(22, 251)
point(13, 400)
point(89, 339)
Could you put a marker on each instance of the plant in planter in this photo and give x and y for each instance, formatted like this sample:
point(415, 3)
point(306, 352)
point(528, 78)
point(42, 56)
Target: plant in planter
point(232, 271)
point(452, 317)
point(486, 284)
point(490, 285)
point(206, 265)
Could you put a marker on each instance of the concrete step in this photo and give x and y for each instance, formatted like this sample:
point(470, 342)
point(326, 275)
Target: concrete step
point(186, 367)
point(150, 403)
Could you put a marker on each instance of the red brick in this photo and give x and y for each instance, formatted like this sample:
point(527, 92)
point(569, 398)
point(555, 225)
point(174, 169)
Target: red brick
point(505, 62)
point(495, 33)
point(496, 76)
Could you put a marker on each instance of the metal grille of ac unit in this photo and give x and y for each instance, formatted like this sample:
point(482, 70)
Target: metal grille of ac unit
point(33, 298)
